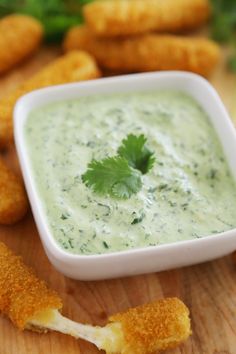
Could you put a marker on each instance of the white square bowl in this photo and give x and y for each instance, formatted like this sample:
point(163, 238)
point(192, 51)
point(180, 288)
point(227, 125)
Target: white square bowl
point(141, 260)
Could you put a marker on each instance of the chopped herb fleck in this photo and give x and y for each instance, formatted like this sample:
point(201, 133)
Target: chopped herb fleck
point(213, 173)
point(106, 207)
point(65, 216)
point(184, 206)
point(163, 186)
point(152, 189)
point(105, 244)
point(70, 243)
point(138, 219)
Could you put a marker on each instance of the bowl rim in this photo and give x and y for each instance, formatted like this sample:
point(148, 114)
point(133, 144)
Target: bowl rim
point(36, 98)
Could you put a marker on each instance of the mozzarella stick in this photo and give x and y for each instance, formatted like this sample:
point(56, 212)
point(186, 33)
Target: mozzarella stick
point(156, 326)
point(22, 294)
point(148, 52)
point(75, 66)
point(111, 18)
point(13, 200)
point(30, 304)
point(160, 325)
point(20, 36)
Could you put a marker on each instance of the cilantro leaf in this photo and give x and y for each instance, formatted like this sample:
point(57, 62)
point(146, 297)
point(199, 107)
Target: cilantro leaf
point(112, 176)
point(135, 151)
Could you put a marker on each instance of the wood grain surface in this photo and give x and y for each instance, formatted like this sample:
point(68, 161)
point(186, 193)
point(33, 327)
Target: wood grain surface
point(209, 289)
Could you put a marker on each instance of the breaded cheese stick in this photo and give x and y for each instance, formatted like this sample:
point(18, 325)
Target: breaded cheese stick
point(20, 36)
point(13, 200)
point(22, 294)
point(156, 326)
point(148, 52)
point(74, 66)
point(28, 302)
point(109, 18)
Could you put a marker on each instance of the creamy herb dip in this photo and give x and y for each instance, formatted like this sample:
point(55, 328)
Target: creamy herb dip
point(190, 192)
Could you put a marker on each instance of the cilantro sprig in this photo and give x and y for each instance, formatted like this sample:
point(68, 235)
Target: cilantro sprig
point(120, 176)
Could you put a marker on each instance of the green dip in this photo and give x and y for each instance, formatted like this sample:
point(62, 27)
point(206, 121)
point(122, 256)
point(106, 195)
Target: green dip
point(190, 192)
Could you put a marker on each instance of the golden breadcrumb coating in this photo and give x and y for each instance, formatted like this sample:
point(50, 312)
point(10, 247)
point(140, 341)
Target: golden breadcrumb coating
point(111, 18)
point(160, 325)
point(72, 67)
point(13, 200)
point(22, 294)
point(20, 36)
point(148, 52)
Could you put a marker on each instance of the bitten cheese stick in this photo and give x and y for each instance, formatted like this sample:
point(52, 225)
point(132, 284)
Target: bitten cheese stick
point(13, 200)
point(20, 36)
point(148, 52)
point(109, 18)
point(157, 326)
point(75, 66)
point(30, 304)
point(22, 294)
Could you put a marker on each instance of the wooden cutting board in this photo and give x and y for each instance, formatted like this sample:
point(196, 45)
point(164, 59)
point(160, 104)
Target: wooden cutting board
point(209, 289)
